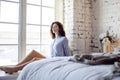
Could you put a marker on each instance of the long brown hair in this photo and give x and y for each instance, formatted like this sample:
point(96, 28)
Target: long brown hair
point(61, 30)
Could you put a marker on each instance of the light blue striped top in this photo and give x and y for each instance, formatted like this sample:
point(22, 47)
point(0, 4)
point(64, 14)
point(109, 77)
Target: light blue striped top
point(59, 46)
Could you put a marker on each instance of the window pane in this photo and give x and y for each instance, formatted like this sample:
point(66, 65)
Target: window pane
point(38, 2)
point(33, 14)
point(8, 32)
point(9, 12)
point(49, 3)
point(46, 35)
point(29, 48)
point(47, 16)
point(45, 50)
point(8, 54)
point(33, 34)
point(13, 0)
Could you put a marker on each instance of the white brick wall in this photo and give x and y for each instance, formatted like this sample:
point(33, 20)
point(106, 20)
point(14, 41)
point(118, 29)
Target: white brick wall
point(105, 17)
point(86, 19)
point(78, 22)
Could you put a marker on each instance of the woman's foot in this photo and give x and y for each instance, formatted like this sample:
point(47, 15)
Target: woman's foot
point(9, 70)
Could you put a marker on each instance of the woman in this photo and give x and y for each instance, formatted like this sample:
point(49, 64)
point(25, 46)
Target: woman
point(59, 47)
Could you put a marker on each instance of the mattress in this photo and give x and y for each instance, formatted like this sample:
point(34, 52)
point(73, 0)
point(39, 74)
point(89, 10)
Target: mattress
point(60, 68)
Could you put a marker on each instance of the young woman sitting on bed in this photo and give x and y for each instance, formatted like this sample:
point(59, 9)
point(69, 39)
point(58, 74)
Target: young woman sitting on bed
point(59, 47)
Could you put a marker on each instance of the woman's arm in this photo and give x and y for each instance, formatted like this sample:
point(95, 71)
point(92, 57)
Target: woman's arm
point(65, 47)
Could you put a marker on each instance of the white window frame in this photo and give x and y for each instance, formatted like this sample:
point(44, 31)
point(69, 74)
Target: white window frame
point(22, 28)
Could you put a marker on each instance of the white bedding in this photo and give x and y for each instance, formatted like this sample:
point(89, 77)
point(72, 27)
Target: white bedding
point(59, 68)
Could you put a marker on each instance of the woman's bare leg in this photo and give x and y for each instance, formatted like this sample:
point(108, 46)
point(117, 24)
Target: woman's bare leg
point(33, 56)
point(30, 56)
point(13, 69)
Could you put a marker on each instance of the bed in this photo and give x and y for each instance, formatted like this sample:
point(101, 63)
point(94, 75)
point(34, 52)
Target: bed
point(60, 68)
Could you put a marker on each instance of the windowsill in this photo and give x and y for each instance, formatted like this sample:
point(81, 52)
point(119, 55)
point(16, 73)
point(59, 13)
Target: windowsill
point(2, 73)
point(5, 76)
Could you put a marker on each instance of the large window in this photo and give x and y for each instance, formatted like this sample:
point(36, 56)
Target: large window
point(9, 14)
point(39, 16)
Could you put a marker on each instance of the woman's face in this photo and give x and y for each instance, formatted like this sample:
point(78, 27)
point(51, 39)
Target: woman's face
point(55, 29)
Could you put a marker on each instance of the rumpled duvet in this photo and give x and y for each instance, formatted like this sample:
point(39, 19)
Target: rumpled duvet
point(60, 68)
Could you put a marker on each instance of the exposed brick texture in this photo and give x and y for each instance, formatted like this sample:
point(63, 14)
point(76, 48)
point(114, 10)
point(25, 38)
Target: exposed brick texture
point(86, 19)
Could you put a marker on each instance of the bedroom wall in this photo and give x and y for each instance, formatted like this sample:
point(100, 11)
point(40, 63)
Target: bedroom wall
point(105, 17)
point(77, 18)
point(86, 19)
